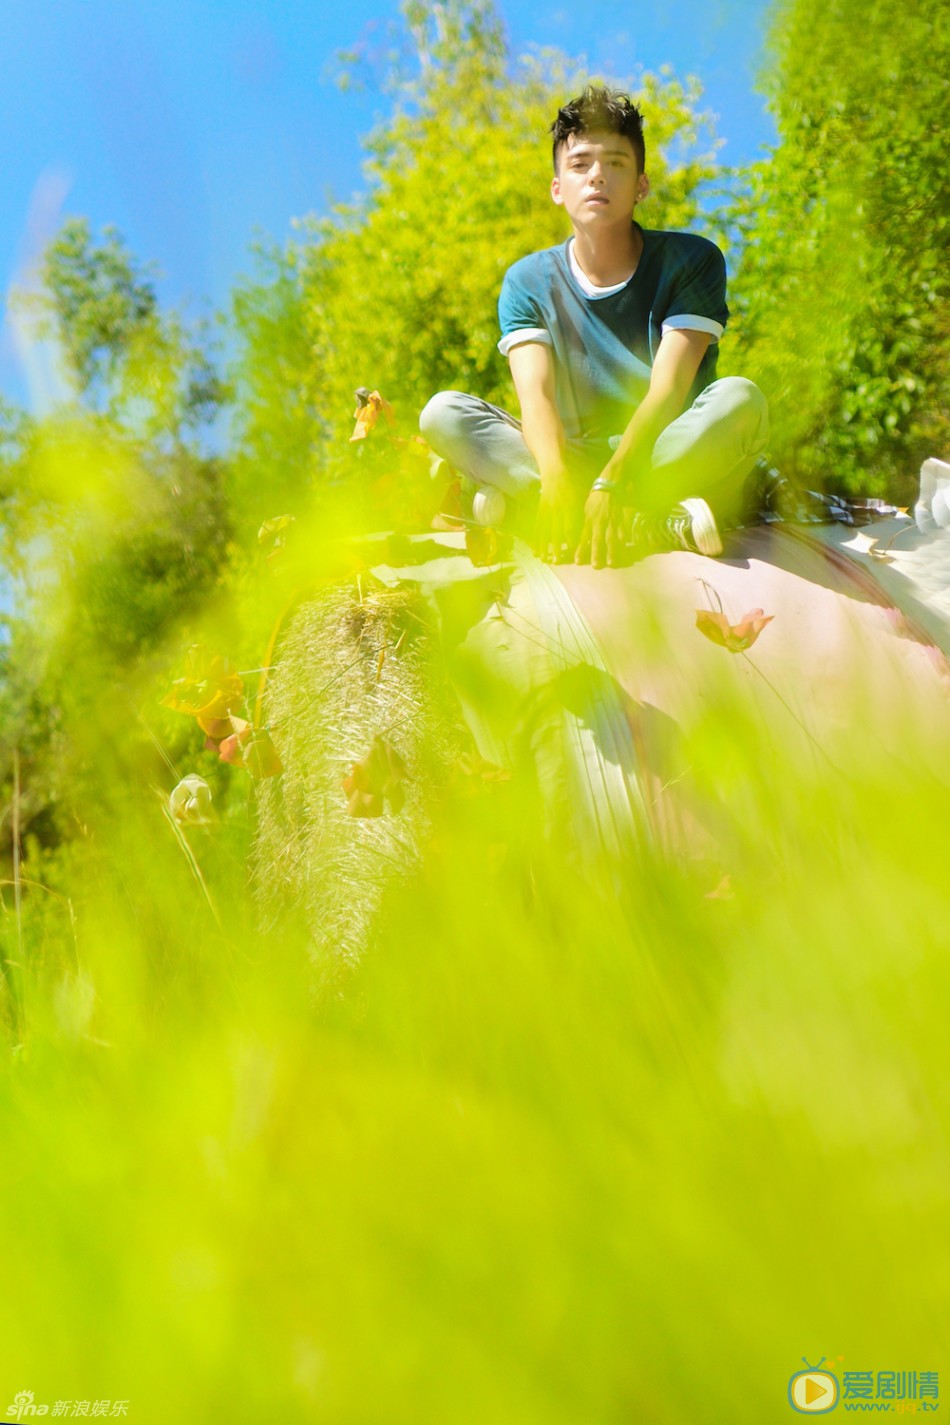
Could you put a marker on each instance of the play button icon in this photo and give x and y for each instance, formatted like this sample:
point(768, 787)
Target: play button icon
point(813, 1392)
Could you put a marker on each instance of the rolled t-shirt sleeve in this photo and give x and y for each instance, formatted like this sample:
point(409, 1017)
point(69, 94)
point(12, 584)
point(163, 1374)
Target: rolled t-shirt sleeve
point(519, 314)
point(698, 297)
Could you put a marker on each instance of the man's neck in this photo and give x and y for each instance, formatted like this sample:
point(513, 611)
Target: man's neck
point(611, 256)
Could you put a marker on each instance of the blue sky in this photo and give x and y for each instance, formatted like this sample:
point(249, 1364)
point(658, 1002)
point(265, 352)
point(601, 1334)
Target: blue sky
point(195, 126)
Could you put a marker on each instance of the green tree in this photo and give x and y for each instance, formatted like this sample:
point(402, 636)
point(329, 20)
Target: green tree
point(116, 479)
point(841, 295)
point(101, 300)
point(146, 368)
point(114, 526)
point(276, 421)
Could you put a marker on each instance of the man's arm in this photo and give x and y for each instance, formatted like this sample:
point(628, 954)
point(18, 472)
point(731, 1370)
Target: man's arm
point(677, 361)
point(628, 469)
point(532, 370)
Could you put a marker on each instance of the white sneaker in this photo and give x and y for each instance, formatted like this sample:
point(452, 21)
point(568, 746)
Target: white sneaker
point(703, 533)
point(489, 506)
point(690, 525)
point(932, 510)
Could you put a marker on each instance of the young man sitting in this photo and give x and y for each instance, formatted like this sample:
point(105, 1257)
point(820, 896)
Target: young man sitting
point(612, 339)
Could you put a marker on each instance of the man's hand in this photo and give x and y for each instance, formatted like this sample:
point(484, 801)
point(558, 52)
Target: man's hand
point(559, 517)
point(602, 539)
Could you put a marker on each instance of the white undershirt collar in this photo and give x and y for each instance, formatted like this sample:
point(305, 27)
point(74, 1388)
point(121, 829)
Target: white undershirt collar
point(584, 282)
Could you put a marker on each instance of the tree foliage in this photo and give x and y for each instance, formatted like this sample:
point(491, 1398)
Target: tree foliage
point(146, 368)
point(102, 301)
point(276, 421)
point(842, 292)
point(114, 524)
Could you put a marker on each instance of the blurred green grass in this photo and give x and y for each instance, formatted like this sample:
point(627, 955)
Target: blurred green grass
point(556, 1149)
point(571, 1140)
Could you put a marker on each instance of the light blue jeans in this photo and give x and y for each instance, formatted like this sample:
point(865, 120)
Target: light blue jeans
point(708, 450)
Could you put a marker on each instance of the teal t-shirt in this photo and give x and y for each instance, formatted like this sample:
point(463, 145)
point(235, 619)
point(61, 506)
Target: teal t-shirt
point(604, 345)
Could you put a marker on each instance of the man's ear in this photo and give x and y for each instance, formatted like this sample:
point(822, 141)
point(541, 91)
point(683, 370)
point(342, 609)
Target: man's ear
point(643, 187)
point(556, 189)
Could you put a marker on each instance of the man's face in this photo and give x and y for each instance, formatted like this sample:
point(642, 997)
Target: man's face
point(597, 180)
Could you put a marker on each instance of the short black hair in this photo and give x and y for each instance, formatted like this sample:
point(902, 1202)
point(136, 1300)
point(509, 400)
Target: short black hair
point(600, 110)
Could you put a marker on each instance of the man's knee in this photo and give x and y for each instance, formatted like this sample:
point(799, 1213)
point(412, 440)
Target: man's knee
point(441, 418)
point(747, 406)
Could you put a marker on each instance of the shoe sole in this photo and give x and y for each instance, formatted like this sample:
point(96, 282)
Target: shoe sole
point(704, 529)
